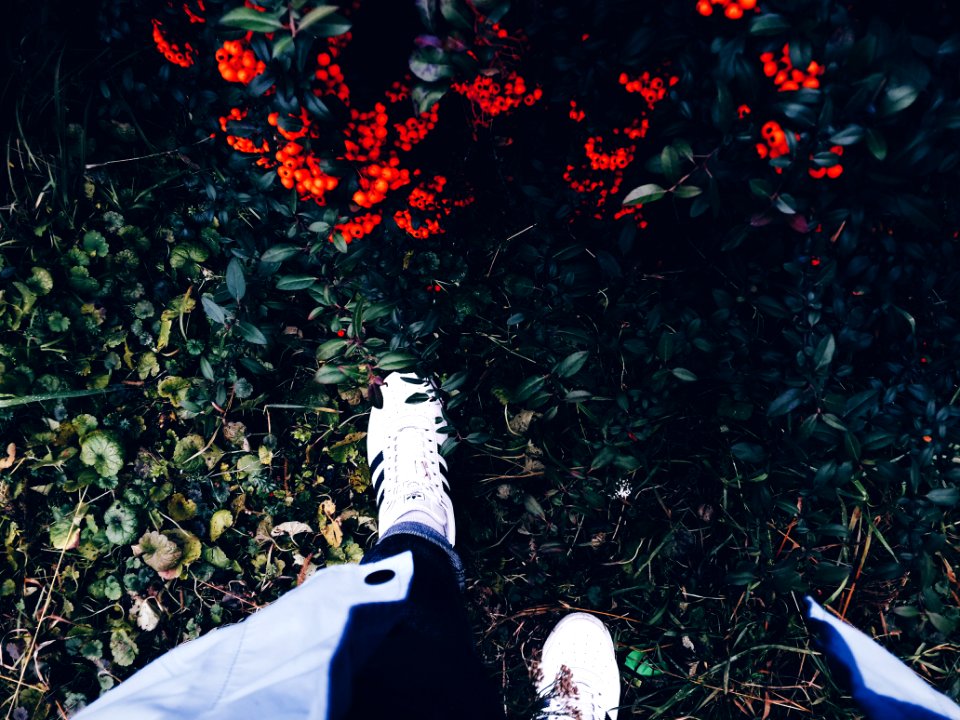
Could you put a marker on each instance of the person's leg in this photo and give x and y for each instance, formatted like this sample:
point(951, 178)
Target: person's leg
point(414, 659)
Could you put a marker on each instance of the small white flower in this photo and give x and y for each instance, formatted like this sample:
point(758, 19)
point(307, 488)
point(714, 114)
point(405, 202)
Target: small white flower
point(624, 490)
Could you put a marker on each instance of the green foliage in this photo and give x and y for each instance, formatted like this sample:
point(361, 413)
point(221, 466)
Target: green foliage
point(742, 389)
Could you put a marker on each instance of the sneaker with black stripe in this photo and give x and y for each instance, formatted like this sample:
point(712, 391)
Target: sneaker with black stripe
point(403, 449)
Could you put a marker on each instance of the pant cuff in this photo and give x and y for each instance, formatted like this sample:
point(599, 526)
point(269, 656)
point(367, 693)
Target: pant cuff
point(425, 532)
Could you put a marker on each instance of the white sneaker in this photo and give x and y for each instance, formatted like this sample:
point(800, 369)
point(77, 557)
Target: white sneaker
point(580, 679)
point(403, 450)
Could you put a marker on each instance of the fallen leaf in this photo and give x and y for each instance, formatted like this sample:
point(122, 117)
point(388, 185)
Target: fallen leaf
point(290, 528)
point(10, 458)
point(332, 533)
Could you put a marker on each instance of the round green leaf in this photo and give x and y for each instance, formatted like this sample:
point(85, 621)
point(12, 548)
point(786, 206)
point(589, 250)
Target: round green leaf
point(219, 522)
point(121, 524)
point(101, 450)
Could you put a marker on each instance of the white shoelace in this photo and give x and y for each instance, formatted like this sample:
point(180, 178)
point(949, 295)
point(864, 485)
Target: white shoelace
point(415, 475)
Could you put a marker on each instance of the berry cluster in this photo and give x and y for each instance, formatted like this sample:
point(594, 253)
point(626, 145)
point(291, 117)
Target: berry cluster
point(415, 129)
point(785, 76)
point(398, 91)
point(238, 143)
point(433, 287)
point(298, 167)
point(366, 133)
point(608, 165)
point(404, 221)
point(329, 72)
point(775, 144)
point(599, 160)
point(172, 52)
point(832, 172)
point(733, 9)
point(653, 88)
point(376, 180)
point(192, 16)
point(632, 210)
point(426, 198)
point(237, 63)
point(636, 129)
point(576, 114)
point(492, 98)
point(601, 172)
point(358, 227)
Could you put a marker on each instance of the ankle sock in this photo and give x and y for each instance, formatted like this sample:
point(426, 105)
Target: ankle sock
point(419, 516)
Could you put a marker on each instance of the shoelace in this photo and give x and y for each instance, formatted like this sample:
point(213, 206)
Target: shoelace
point(407, 458)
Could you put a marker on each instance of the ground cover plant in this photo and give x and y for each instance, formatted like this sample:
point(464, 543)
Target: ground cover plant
point(687, 273)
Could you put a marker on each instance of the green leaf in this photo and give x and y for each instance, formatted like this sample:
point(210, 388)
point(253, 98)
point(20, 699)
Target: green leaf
point(295, 282)
point(219, 522)
point(187, 453)
point(687, 191)
point(181, 508)
point(236, 282)
point(249, 19)
point(749, 452)
point(823, 355)
point(850, 135)
point(101, 450)
point(121, 524)
point(534, 507)
point(214, 311)
point(95, 244)
point(111, 588)
point(785, 402)
point(571, 364)
point(651, 192)
point(217, 557)
point(907, 611)
point(158, 551)
point(429, 71)
point(761, 187)
point(251, 333)
point(833, 421)
point(455, 13)
point(684, 374)
point(527, 388)
point(279, 253)
point(945, 497)
point(426, 96)
point(65, 532)
point(670, 163)
point(785, 204)
point(189, 544)
point(942, 623)
point(123, 647)
point(44, 397)
point(330, 348)
point(206, 369)
point(898, 98)
point(315, 15)
point(331, 26)
point(330, 375)
point(876, 144)
point(396, 361)
point(282, 45)
point(769, 24)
